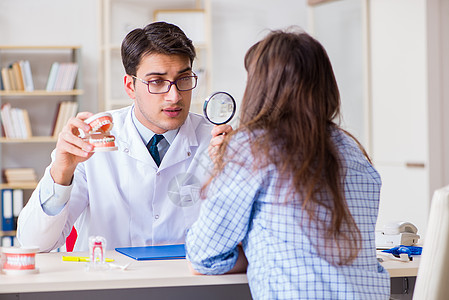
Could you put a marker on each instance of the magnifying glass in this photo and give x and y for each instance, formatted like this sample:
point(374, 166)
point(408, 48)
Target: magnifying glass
point(219, 108)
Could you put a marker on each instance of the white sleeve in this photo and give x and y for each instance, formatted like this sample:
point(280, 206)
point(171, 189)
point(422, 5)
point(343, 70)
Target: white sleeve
point(47, 228)
point(52, 196)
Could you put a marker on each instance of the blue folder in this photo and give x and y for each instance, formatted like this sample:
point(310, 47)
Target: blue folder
point(154, 252)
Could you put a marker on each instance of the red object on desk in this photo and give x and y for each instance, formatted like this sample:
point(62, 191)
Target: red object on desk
point(71, 239)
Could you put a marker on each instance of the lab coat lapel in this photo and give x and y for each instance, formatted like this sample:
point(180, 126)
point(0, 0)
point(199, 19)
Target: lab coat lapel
point(183, 145)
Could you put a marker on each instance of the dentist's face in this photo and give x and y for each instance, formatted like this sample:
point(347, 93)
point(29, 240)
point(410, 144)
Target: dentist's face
point(160, 112)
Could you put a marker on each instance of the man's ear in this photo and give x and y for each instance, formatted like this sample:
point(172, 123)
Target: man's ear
point(129, 86)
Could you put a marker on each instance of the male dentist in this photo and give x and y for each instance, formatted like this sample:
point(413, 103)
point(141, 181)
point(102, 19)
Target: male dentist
point(128, 196)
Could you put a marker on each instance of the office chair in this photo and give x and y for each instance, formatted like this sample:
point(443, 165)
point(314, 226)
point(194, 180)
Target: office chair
point(432, 281)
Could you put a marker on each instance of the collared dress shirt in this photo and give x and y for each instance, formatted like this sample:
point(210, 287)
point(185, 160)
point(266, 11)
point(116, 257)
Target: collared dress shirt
point(247, 205)
point(122, 195)
point(146, 135)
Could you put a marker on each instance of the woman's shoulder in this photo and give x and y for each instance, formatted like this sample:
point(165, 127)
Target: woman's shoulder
point(239, 143)
point(351, 151)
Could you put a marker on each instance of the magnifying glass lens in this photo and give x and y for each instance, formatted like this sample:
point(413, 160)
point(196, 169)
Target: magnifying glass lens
point(219, 108)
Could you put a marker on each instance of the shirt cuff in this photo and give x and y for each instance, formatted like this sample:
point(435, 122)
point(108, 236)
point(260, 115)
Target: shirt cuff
point(53, 196)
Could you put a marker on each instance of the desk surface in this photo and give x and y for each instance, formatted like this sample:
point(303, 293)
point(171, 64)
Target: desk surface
point(398, 268)
point(56, 275)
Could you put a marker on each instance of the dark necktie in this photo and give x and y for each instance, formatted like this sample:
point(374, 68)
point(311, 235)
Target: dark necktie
point(152, 148)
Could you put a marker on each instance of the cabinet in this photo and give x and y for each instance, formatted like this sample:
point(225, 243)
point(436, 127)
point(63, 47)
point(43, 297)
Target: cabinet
point(118, 17)
point(400, 102)
point(405, 76)
point(42, 107)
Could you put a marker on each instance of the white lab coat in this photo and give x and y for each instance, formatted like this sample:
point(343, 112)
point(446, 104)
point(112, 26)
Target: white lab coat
point(123, 196)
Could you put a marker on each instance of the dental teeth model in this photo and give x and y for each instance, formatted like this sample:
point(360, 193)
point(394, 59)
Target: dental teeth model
point(99, 135)
point(18, 261)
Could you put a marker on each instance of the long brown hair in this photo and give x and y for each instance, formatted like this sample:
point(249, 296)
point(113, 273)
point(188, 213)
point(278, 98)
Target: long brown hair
point(292, 97)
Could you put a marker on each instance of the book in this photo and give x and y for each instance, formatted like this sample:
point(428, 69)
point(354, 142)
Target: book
point(59, 76)
point(52, 77)
point(60, 118)
point(27, 76)
point(6, 120)
point(26, 119)
point(18, 77)
point(154, 252)
point(70, 79)
point(65, 77)
point(17, 123)
point(5, 79)
point(21, 123)
point(65, 111)
point(73, 109)
point(12, 79)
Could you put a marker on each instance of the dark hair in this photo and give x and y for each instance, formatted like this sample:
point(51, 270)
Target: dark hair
point(158, 37)
point(291, 101)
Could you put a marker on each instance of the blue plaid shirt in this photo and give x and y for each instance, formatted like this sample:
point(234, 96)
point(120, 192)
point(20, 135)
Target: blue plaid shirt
point(243, 206)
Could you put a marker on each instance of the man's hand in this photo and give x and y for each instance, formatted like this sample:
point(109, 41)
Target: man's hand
point(218, 133)
point(71, 149)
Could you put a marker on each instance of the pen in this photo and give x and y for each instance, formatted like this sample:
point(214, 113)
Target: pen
point(81, 258)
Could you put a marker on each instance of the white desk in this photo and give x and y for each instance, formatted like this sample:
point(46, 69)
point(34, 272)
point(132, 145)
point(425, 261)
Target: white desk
point(168, 276)
point(398, 268)
point(403, 275)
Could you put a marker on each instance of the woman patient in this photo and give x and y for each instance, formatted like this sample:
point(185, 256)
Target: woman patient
point(294, 198)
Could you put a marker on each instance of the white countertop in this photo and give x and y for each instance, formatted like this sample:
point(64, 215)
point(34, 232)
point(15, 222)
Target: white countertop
point(57, 275)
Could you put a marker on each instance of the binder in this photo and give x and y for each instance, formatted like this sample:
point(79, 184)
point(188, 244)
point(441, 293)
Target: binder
point(7, 215)
point(161, 252)
point(17, 205)
point(7, 241)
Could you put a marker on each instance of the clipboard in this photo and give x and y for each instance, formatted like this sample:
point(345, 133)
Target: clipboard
point(161, 252)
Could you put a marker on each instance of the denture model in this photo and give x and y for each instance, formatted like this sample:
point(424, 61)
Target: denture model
point(99, 135)
point(19, 261)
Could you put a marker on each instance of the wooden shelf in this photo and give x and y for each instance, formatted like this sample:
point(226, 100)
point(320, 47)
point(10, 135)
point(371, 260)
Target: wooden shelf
point(7, 233)
point(34, 139)
point(41, 93)
point(40, 47)
point(22, 186)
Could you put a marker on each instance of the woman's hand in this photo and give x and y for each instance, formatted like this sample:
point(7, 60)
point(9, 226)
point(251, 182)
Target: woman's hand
point(218, 133)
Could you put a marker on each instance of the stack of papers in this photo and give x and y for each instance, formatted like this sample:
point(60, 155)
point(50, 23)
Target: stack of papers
point(20, 176)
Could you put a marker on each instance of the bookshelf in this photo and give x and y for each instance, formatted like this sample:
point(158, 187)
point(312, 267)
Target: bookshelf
point(118, 17)
point(42, 106)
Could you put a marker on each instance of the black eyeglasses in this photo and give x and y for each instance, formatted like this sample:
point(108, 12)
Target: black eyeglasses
point(161, 86)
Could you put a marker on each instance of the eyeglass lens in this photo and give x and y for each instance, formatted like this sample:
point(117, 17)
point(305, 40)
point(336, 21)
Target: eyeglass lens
point(163, 86)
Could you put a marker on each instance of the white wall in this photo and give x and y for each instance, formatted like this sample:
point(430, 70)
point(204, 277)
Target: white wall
point(340, 27)
point(239, 24)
